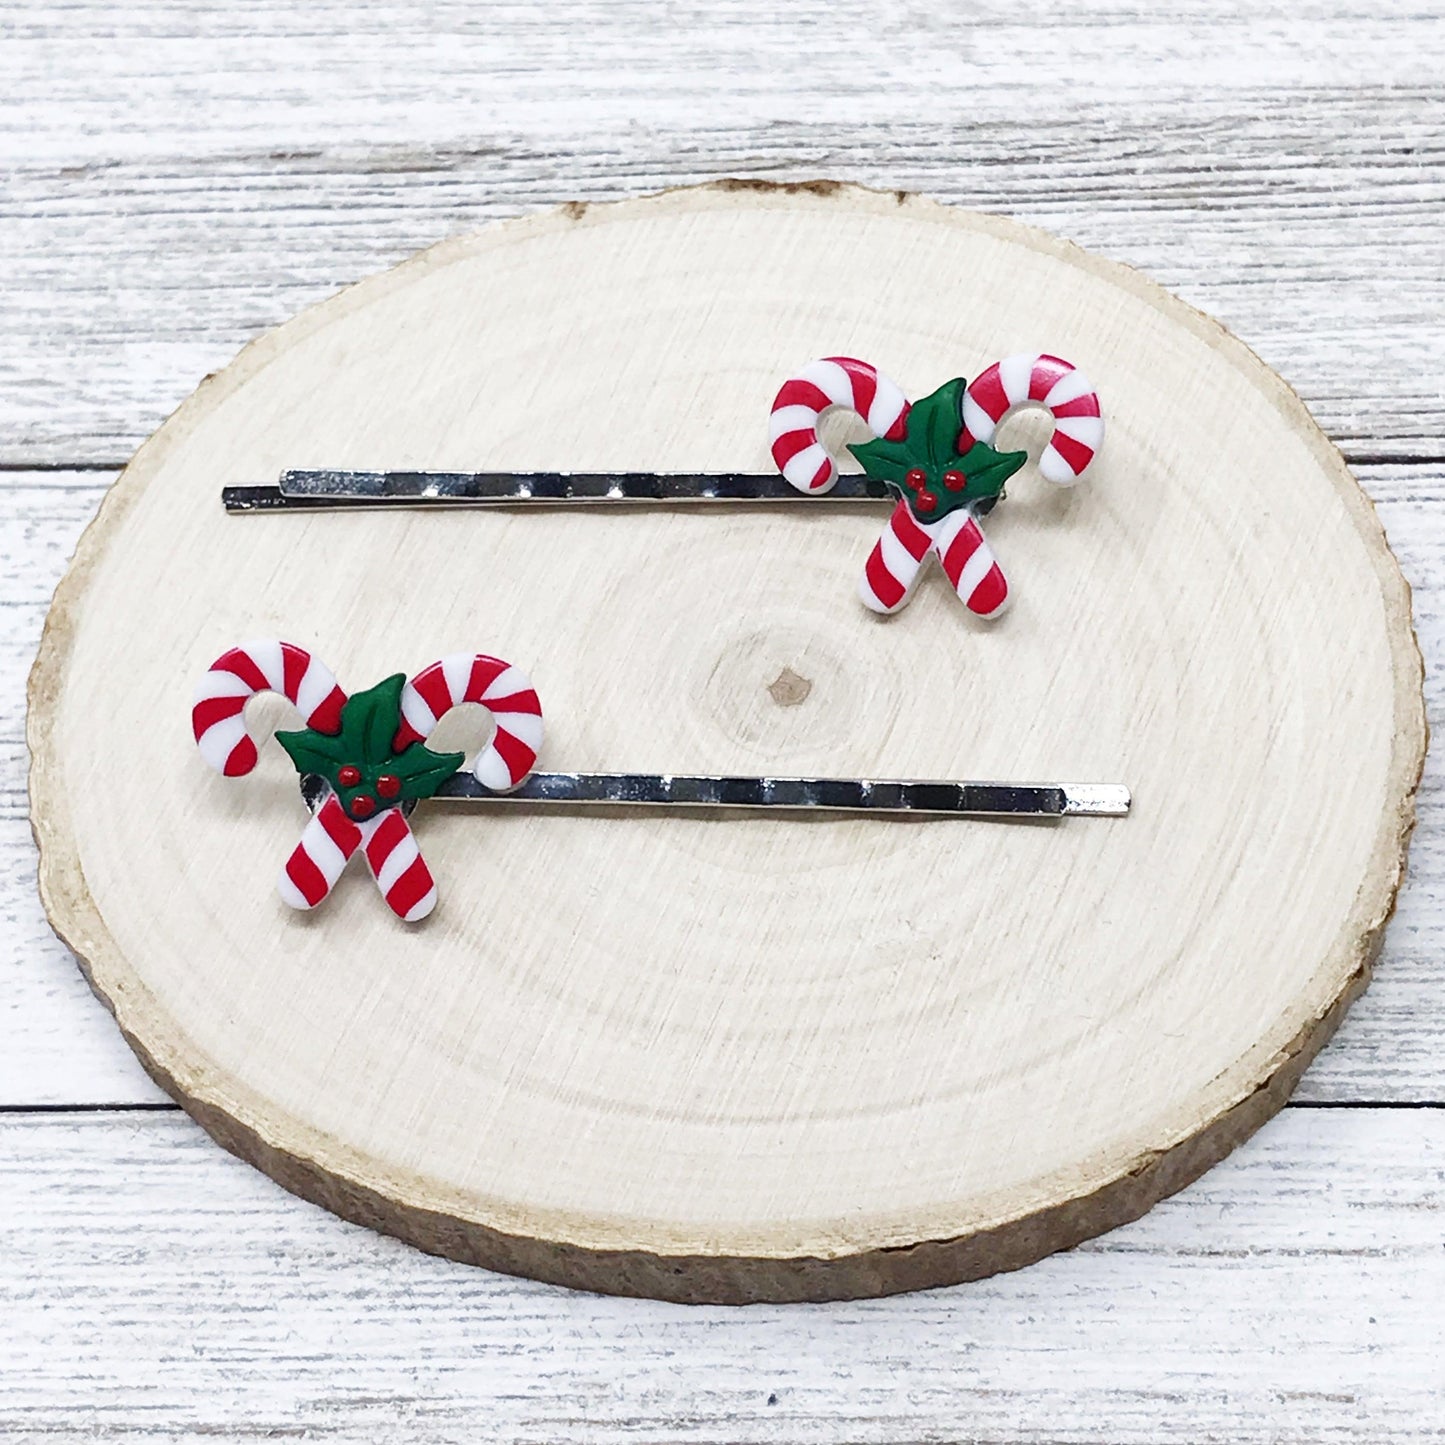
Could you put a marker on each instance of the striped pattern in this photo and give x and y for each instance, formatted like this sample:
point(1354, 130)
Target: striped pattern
point(1047, 381)
point(390, 849)
point(396, 863)
point(959, 544)
point(498, 686)
point(895, 562)
point(833, 381)
point(321, 853)
point(330, 838)
point(970, 565)
point(237, 676)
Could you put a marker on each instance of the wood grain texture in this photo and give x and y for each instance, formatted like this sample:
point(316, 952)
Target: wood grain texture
point(61, 1047)
point(174, 179)
point(158, 1290)
point(876, 1063)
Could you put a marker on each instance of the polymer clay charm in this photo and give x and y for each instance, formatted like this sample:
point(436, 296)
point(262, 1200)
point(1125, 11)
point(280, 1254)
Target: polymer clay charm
point(364, 763)
point(935, 458)
point(835, 381)
point(369, 750)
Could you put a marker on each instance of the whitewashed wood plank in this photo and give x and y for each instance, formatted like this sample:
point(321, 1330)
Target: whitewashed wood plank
point(58, 1043)
point(157, 1289)
point(1334, 283)
point(176, 182)
point(127, 74)
point(58, 1046)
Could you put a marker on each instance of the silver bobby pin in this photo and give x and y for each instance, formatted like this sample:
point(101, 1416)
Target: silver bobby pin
point(365, 760)
point(895, 797)
point(335, 490)
point(934, 459)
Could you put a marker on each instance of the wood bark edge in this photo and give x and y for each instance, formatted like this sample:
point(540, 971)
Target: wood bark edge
point(1080, 1214)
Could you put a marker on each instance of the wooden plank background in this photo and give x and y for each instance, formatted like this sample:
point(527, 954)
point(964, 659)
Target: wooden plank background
point(175, 179)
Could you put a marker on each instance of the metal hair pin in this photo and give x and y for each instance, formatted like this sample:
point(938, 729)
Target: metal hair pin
point(935, 458)
point(364, 764)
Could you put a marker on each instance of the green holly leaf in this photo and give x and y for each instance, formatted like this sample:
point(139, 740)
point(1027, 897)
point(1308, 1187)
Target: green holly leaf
point(370, 719)
point(987, 470)
point(312, 751)
point(939, 421)
point(422, 771)
point(362, 748)
point(885, 461)
point(929, 448)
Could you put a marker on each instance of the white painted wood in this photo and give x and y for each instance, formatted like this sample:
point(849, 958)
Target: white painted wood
point(177, 181)
point(156, 1289)
point(58, 1045)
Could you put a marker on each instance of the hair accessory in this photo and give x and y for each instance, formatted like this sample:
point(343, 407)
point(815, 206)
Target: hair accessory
point(935, 457)
point(369, 750)
point(938, 459)
point(364, 764)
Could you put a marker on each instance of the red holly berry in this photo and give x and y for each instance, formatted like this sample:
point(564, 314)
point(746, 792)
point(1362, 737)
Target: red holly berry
point(363, 805)
point(955, 481)
point(927, 501)
point(349, 776)
point(915, 478)
point(388, 785)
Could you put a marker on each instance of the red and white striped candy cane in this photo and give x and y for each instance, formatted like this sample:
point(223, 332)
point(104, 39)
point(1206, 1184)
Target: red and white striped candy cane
point(820, 385)
point(899, 554)
point(499, 687)
point(1034, 380)
point(969, 564)
point(217, 721)
point(330, 838)
point(321, 853)
point(396, 863)
point(237, 676)
point(389, 846)
point(895, 562)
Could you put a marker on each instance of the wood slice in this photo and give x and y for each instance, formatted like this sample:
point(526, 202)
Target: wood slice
point(745, 1058)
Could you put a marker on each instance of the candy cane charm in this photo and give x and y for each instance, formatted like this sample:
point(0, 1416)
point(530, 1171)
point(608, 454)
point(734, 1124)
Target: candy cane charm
point(819, 386)
point(895, 562)
point(968, 562)
point(235, 677)
point(941, 464)
point(395, 860)
point(365, 757)
point(499, 687)
point(321, 853)
point(1056, 385)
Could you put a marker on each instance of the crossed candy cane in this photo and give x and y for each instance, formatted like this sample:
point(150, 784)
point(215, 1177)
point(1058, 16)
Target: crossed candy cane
point(956, 540)
point(386, 840)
